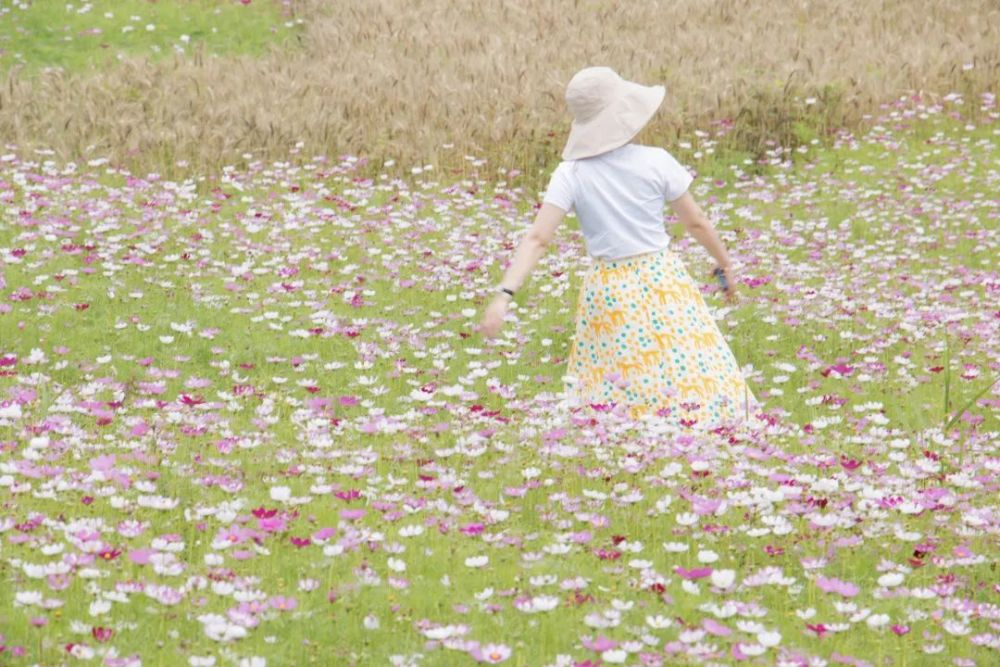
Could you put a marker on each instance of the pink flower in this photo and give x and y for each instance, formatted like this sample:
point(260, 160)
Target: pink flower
point(282, 603)
point(491, 653)
point(831, 585)
point(600, 644)
point(140, 556)
point(714, 627)
point(324, 533)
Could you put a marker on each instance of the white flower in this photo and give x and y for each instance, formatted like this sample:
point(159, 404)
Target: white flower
point(544, 602)
point(411, 531)
point(690, 587)
point(11, 411)
point(723, 578)
point(26, 598)
point(752, 650)
point(663, 503)
point(82, 652)
point(877, 620)
point(255, 661)
point(477, 561)
point(537, 603)
point(222, 588)
point(860, 616)
point(443, 632)
point(220, 629)
point(658, 622)
point(280, 493)
point(36, 357)
point(691, 636)
point(769, 639)
point(707, 556)
point(956, 627)
point(371, 622)
point(98, 607)
point(687, 518)
point(614, 655)
point(890, 579)
point(727, 609)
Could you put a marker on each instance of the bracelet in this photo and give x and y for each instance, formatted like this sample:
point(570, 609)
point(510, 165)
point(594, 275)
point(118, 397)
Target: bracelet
point(509, 292)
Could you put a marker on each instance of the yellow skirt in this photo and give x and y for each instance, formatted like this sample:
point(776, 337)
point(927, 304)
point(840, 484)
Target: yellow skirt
point(645, 338)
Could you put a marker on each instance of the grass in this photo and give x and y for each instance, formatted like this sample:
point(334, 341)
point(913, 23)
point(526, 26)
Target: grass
point(94, 36)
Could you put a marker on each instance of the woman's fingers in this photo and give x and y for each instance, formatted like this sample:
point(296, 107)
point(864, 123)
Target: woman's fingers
point(488, 328)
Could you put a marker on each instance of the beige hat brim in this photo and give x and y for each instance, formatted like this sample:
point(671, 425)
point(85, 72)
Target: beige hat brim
point(616, 124)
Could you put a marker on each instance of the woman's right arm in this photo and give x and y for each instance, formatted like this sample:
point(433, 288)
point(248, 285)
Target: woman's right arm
point(697, 224)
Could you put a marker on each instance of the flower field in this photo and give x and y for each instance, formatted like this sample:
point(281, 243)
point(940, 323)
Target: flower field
point(246, 420)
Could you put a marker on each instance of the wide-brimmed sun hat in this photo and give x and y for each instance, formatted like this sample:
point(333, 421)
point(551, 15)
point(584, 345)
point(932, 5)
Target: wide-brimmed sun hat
point(608, 111)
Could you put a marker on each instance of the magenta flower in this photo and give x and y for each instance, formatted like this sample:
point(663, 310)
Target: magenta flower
point(272, 524)
point(696, 573)
point(472, 529)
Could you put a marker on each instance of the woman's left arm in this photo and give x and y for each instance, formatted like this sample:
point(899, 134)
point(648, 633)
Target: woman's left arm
point(533, 245)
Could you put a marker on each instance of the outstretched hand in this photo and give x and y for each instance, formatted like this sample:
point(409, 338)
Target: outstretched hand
point(492, 319)
point(730, 292)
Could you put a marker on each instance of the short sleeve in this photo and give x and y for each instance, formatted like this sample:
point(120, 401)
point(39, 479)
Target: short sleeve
point(560, 190)
point(676, 179)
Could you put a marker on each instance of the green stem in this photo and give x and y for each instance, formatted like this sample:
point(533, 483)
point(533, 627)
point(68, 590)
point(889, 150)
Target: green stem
point(971, 401)
point(947, 372)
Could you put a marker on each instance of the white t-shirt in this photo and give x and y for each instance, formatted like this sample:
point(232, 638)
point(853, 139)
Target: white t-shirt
point(619, 197)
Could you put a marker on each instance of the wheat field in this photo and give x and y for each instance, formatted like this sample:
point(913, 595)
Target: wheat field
point(418, 81)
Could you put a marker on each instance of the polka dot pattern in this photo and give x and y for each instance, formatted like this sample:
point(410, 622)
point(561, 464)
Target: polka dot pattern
point(644, 337)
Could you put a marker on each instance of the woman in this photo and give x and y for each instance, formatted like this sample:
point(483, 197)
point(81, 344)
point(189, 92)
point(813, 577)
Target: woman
point(643, 336)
